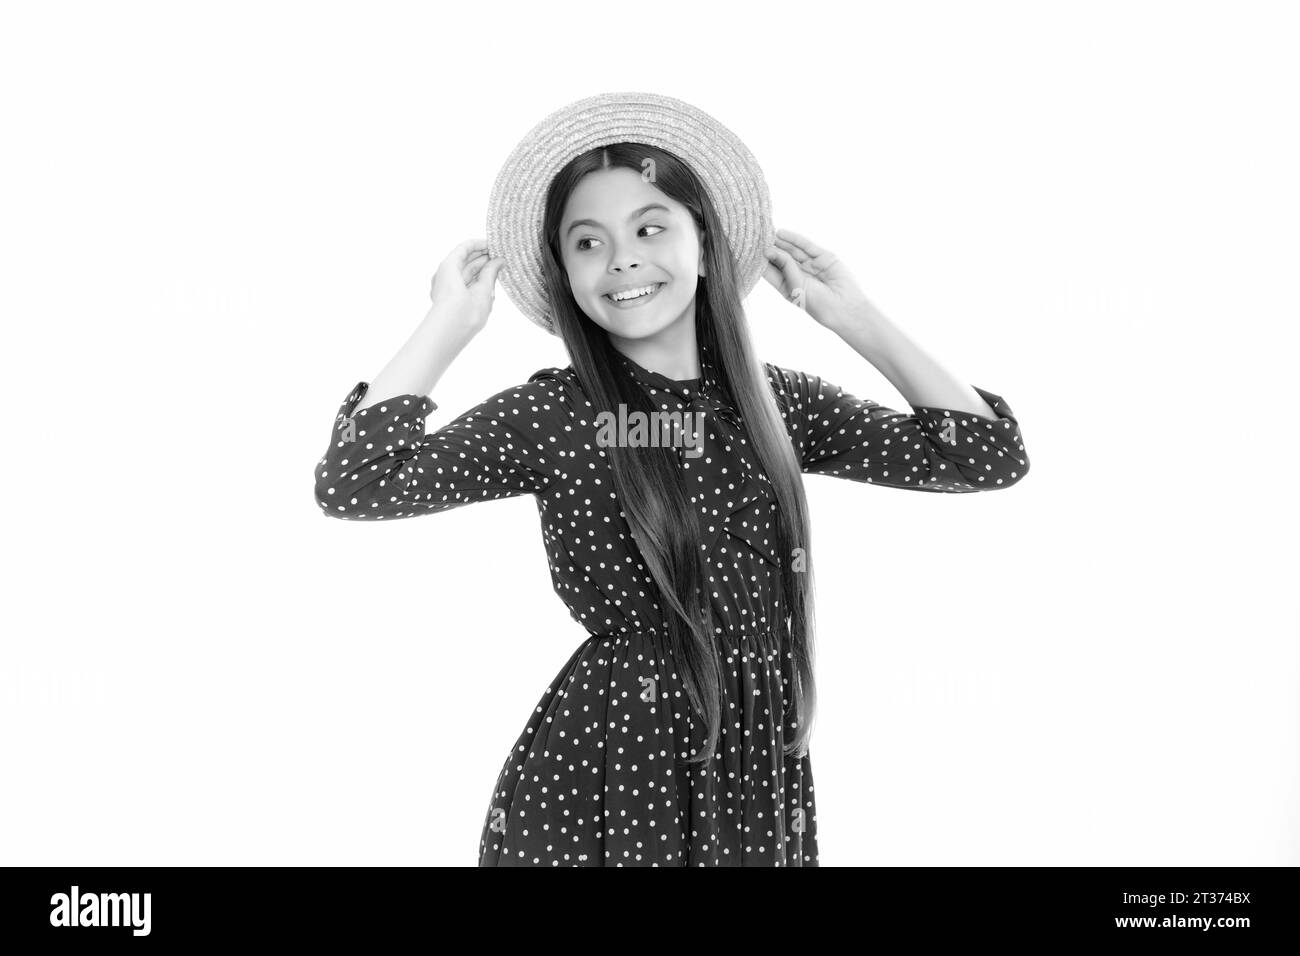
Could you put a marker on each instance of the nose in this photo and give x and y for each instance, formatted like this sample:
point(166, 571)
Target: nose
point(623, 260)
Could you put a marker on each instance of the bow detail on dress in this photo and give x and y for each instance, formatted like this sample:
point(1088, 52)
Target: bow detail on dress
point(704, 393)
point(710, 400)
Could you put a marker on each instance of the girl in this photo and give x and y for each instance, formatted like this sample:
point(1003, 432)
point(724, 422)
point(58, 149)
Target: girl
point(677, 733)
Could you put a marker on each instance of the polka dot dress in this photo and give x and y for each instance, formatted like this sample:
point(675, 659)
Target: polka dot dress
point(597, 776)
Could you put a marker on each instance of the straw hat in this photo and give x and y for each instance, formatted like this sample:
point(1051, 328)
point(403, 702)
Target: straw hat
point(728, 170)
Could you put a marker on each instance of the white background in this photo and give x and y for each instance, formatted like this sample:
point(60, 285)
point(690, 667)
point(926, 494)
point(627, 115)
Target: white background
point(217, 218)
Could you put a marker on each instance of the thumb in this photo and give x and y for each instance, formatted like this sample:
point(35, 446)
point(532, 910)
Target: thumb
point(487, 276)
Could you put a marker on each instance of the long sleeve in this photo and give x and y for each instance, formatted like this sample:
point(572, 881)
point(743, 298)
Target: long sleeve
point(381, 464)
point(933, 449)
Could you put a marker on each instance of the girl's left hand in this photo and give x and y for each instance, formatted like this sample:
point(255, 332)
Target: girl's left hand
point(829, 293)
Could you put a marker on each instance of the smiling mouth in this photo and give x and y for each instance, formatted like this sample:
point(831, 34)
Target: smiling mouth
point(638, 300)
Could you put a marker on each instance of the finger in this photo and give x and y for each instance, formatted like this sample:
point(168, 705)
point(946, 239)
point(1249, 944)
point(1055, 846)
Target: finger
point(791, 276)
point(822, 259)
point(795, 276)
point(472, 266)
point(773, 275)
point(487, 275)
point(774, 265)
point(806, 244)
point(466, 248)
point(800, 256)
point(789, 267)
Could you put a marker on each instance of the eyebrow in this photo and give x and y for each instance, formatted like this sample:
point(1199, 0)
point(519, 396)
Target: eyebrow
point(591, 222)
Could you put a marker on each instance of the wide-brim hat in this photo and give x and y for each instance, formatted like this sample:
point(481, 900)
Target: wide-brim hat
point(722, 162)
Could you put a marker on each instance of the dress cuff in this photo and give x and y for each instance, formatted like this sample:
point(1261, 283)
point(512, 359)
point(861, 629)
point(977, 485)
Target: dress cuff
point(425, 405)
point(934, 413)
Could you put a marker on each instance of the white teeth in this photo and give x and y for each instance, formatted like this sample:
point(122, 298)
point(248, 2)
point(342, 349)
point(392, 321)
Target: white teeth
point(634, 293)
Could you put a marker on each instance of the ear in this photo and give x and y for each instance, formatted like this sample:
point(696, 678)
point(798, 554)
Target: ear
point(701, 269)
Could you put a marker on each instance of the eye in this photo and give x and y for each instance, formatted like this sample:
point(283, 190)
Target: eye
point(581, 248)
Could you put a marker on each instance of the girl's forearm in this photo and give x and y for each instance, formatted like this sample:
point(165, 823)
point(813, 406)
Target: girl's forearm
point(916, 374)
point(421, 362)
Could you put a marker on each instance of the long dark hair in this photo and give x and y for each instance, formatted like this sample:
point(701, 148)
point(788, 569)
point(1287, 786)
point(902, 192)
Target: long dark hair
point(647, 480)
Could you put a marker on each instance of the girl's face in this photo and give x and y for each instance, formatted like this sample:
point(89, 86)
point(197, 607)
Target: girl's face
point(618, 233)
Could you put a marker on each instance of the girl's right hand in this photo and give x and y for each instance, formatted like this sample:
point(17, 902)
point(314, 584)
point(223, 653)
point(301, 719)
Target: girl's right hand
point(465, 284)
